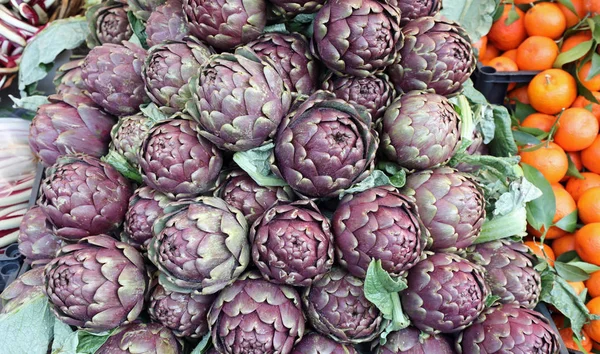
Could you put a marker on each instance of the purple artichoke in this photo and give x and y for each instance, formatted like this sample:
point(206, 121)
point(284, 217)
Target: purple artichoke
point(415, 9)
point(357, 37)
point(184, 314)
point(291, 8)
point(437, 55)
point(128, 135)
point(290, 54)
point(445, 293)
point(166, 23)
point(240, 99)
point(292, 244)
point(336, 306)
point(108, 23)
point(510, 272)
point(382, 224)
point(412, 341)
point(177, 161)
point(143, 8)
point(137, 338)
point(255, 316)
point(374, 93)
point(509, 329)
point(420, 130)
point(145, 206)
point(240, 191)
point(37, 242)
point(314, 343)
point(325, 146)
point(168, 68)
point(68, 78)
point(82, 196)
point(97, 284)
point(21, 291)
point(69, 124)
point(451, 206)
point(225, 24)
point(203, 246)
point(112, 75)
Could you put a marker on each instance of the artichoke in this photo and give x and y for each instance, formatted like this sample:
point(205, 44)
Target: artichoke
point(138, 338)
point(68, 78)
point(203, 246)
point(112, 76)
point(255, 316)
point(374, 93)
point(291, 8)
point(336, 306)
point(28, 286)
point(225, 24)
point(451, 206)
point(96, 284)
point(240, 191)
point(437, 55)
point(419, 130)
point(108, 23)
point(82, 196)
point(128, 135)
point(166, 23)
point(37, 242)
point(71, 123)
point(292, 244)
point(290, 54)
point(509, 329)
point(477, 147)
point(445, 293)
point(178, 162)
point(412, 341)
point(143, 8)
point(357, 37)
point(168, 68)
point(184, 314)
point(510, 272)
point(325, 146)
point(240, 100)
point(378, 223)
point(415, 9)
point(145, 206)
point(314, 343)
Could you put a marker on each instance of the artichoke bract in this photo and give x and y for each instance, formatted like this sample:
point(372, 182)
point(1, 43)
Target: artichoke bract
point(290, 54)
point(509, 329)
point(112, 76)
point(176, 161)
point(292, 8)
point(70, 123)
point(128, 135)
point(37, 242)
point(168, 68)
point(137, 338)
point(239, 190)
point(166, 23)
point(314, 343)
point(225, 24)
point(437, 55)
point(510, 272)
point(108, 23)
point(143, 8)
point(357, 37)
point(411, 341)
point(145, 206)
point(419, 130)
point(203, 246)
point(240, 100)
point(381, 224)
point(445, 293)
point(414, 9)
point(325, 146)
point(255, 316)
point(82, 196)
point(184, 314)
point(96, 284)
point(292, 244)
point(336, 306)
point(374, 93)
point(451, 206)
point(68, 78)
point(28, 286)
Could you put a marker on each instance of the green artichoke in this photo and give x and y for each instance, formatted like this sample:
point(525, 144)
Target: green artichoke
point(451, 206)
point(357, 37)
point(255, 316)
point(240, 100)
point(145, 206)
point(336, 307)
point(96, 284)
point(437, 55)
point(138, 338)
point(325, 146)
point(412, 341)
point(445, 293)
point(68, 78)
point(166, 23)
point(108, 23)
point(203, 246)
point(419, 130)
point(128, 135)
point(509, 329)
point(28, 286)
point(143, 8)
point(314, 343)
point(291, 8)
point(415, 9)
point(37, 242)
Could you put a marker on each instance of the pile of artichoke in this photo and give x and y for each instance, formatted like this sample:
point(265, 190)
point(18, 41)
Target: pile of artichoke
point(149, 223)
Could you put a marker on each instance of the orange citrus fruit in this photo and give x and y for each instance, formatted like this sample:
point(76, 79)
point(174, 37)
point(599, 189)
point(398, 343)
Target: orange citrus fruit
point(519, 94)
point(504, 64)
point(563, 244)
point(592, 84)
point(565, 205)
point(593, 327)
point(589, 206)
point(576, 187)
point(545, 19)
point(550, 160)
point(577, 129)
point(552, 90)
point(491, 52)
point(590, 156)
point(541, 121)
point(593, 284)
point(582, 102)
point(542, 251)
point(537, 53)
point(587, 243)
point(572, 18)
point(568, 338)
point(592, 6)
point(574, 40)
point(481, 46)
point(506, 37)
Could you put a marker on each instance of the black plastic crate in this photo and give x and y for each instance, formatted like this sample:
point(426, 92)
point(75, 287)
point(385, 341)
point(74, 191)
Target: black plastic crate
point(494, 84)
